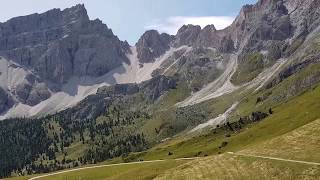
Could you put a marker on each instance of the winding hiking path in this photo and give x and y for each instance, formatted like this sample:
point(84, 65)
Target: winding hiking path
point(274, 158)
point(110, 165)
point(180, 159)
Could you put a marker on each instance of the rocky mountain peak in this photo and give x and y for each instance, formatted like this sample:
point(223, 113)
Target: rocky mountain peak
point(76, 12)
point(78, 9)
point(152, 44)
point(63, 40)
point(187, 35)
point(56, 46)
point(266, 20)
point(50, 19)
point(188, 28)
point(209, 37)
point(263, 9)
point(209, 28)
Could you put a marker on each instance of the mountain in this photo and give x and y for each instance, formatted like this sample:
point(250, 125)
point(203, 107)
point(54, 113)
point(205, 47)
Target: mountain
point(152, 45)
point(44, 51)
point(77, 86)
point(64, 55)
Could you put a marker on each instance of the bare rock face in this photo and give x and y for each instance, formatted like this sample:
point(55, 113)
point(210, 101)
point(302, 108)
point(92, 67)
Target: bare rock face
point(274, 28)
point(268, 20)
point(119, 90)
point(59, 44)
point(187, 35)
point(53, 47)
point(151, 89)
point(226, 45)
point(152, 45)
point(208, 37)
point(274, 22)
point(6, 101)
point(256, 24)
point(21, 85)
point(38, 93)
point(31, 91)
point(157, 86)
point(304, 15)
point(190, 35)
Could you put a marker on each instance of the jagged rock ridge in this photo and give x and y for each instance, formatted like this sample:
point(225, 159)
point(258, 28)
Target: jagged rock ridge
point(55, 46)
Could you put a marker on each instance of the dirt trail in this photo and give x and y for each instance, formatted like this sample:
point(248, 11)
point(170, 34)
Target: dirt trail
point(274, 158)
point(110, 165)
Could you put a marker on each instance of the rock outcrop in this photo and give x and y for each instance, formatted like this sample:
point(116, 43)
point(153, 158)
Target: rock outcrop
point(208, 36)
point(152, 45)
point(52, 47)
point(57, 45)
point(96, 104)
point(157, 86)
point(268, 20)
point(5, 101)
point(187, 35)
point(151, 89)
point(119, 90)
point(255, 28)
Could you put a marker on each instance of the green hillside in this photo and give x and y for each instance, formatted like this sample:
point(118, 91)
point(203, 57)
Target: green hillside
point(286, 133)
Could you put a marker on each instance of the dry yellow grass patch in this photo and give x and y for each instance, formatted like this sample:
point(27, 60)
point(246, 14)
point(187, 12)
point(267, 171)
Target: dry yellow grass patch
point(229, 167)
point(300, 144)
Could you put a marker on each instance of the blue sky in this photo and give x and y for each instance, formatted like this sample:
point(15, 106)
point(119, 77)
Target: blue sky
point(130, 18)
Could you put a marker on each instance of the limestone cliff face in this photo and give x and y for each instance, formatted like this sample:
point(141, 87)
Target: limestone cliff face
point(256, 26)
point(50, 48)
point(152, 45)
point(59, 44)
point(264, 26)
point(5, 100)
point(187, 35)
point(54, 46)
point(261, 34)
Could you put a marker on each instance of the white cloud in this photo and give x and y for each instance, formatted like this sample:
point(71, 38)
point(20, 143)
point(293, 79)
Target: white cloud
point(172, 24)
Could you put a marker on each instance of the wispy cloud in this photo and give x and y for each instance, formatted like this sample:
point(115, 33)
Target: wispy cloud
point(172, 24)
